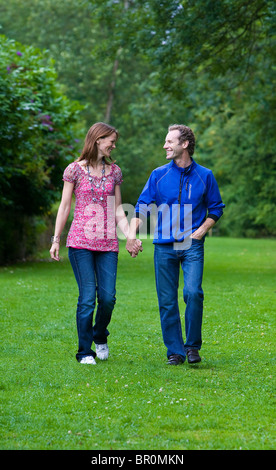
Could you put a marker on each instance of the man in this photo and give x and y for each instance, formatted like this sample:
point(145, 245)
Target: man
point(184, 192)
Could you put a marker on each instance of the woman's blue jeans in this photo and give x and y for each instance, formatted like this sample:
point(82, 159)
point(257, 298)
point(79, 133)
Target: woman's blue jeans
point(95, 273)
point(167, 263)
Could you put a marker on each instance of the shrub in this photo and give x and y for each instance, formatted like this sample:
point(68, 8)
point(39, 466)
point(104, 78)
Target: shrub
point(37, 130)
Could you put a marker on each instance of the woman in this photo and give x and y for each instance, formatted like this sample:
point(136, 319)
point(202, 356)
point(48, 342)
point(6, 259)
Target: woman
point(92, 242)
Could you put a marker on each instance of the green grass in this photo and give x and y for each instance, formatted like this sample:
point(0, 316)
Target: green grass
point(134, 400)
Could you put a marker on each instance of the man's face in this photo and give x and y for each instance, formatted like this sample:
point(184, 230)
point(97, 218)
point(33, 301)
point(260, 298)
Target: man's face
point(172, 146)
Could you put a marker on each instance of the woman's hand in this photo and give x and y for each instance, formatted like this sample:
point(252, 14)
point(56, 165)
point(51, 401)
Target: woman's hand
point(133, 246)
point(54, 251)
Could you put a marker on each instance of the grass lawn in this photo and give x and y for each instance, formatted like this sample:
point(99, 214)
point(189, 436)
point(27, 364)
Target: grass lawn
point(134, 401)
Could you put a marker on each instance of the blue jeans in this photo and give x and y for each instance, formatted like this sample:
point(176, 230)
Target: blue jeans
point(95, 273)
point(167, 263)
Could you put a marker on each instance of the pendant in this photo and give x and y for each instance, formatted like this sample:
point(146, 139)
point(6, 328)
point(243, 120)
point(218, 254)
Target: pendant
point(98, 185)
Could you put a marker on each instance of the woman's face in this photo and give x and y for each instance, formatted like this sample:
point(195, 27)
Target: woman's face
point(106, 145)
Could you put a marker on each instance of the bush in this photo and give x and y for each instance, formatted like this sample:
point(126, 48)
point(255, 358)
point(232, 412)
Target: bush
point(37, 130)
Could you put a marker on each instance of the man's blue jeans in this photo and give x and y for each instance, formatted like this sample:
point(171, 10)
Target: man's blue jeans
point(95, 273)
point(167, 262)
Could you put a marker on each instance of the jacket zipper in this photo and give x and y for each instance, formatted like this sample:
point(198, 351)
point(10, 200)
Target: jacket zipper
point(180, 187)
point(187, 187)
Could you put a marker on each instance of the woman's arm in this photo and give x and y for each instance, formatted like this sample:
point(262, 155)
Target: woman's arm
point(122, 222)
point(62, 216)
point(120, 216)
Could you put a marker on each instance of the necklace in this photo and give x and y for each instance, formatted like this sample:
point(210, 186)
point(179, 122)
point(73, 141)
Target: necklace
point(99, 184)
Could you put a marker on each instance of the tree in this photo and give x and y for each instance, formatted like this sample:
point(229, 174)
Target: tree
point(145, 64)
point(218, 58)
point(36, 139)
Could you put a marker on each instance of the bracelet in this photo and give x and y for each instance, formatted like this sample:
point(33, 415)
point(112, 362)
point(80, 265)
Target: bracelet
point(55, 239)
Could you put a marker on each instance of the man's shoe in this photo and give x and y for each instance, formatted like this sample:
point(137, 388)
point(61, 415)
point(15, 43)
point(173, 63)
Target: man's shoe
point(175, 360)
point(102, 351)
point(193, 356)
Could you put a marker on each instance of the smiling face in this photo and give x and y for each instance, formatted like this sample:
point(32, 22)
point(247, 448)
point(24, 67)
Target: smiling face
point(106, 145)
point(174, 149)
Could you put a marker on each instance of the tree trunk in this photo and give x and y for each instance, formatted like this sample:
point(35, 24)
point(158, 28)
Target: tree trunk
point(113, 80)
point(111, 91)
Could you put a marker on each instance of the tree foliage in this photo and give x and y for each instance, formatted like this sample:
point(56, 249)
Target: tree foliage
point(36, 138)
point(190, 37)
point(216, 60)
point(145, 64)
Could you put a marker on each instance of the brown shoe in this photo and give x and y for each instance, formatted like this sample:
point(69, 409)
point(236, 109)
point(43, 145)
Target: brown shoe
point(193, 356)
point(175, 360)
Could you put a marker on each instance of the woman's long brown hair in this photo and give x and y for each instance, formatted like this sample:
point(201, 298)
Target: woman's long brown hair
point(89, 152)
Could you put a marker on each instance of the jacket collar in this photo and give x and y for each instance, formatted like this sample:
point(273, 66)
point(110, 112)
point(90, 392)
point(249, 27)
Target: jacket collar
point(183, 170)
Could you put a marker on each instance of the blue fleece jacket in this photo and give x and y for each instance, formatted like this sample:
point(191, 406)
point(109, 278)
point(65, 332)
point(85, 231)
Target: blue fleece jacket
point(179, 199)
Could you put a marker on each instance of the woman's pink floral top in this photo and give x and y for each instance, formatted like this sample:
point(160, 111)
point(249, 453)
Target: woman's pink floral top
point(93, 226)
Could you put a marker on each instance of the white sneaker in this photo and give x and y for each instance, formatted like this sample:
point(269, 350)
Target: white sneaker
point(88, 360)
point(102, 351)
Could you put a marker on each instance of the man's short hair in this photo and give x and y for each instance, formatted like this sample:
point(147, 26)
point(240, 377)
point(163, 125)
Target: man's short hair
point(185, 134)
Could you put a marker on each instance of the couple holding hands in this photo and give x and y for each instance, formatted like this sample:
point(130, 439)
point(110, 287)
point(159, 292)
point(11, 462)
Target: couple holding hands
point(93, 247)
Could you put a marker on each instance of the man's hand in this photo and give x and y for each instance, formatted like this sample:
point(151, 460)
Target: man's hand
point(196, 236)
point(203, 229)
point(133, 246)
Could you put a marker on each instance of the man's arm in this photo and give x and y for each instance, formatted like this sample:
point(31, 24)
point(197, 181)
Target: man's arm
point(146, 198)
point(215, 208)
point(203, 229)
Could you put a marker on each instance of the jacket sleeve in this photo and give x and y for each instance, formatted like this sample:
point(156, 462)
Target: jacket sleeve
point(213, 199)
point(147, 197)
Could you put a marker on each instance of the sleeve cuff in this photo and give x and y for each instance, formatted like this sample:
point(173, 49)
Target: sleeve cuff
point(213, 216)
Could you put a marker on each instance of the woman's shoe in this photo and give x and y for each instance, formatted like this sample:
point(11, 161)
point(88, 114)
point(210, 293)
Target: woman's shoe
point(102, 351)
point(88, 360)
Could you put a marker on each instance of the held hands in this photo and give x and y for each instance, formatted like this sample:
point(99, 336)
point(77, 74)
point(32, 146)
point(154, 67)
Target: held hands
point(133, 246)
